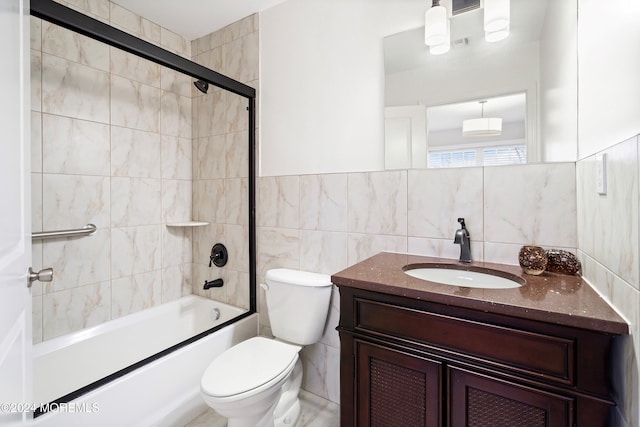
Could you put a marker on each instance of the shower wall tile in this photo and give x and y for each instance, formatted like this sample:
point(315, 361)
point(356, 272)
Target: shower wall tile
point(175, 115)
point(36, 202)
point(176, 246)
point(438, 197)
point(135, 201)
point(75, 147)
point(211, 59)
point(209, 159)
point(378, 203)
point(176, 282)
point(135, 250)
point(74, 90)
point(82, 199)
point(35, 33)
point(176, 82)
point(237, 288)
point(324, 198)
point(135, 293)
point(530, 204)
point(74, 47)
point(36, 80)
point(177, 196)
point(234, 57)
point(203, 240)
point(236, 201)
point(209, 200)
point(134, 24)
point(278, 202)
point(176, 155)
point(241, 28)
point(98, 9)
point(133, 67)
point(209, 114)
point(74, 309)
point(36, 142)
point(175, 43)
point(135, 153)
point(237, 155)
point(78, 261)
point(134, 105)
point(237, 243)
point(236, 117)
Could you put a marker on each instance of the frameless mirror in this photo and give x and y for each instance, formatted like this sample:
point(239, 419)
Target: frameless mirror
point(528, 80)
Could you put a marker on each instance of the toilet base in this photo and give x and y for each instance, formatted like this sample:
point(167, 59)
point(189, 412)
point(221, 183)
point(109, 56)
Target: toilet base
point(289, 418)
point(287, 411)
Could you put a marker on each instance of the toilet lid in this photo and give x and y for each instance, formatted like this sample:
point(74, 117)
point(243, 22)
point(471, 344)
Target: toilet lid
point(246, 366)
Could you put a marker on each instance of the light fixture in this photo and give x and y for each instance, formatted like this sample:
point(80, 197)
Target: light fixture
point(496, 19)
point(437, 32)
point(484, 126)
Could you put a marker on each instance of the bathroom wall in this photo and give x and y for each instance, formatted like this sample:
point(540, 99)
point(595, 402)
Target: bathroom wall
point(111, 145)
point(220, 161)
point(324, 223)
point(608, 242)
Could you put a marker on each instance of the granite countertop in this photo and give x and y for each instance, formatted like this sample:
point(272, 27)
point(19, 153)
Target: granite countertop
point(552, 298)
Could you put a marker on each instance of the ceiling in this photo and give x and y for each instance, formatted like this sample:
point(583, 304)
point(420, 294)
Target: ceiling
point(193, 19)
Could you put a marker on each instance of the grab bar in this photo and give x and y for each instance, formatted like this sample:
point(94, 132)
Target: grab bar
point(87, 230)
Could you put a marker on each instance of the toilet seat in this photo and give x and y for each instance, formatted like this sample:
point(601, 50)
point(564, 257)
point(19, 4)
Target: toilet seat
point(249, 367)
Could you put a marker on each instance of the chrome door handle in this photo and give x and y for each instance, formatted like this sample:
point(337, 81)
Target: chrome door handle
point(44, 275)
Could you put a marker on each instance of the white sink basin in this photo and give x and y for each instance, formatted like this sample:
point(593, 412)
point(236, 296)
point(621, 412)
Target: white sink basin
point(469, 279)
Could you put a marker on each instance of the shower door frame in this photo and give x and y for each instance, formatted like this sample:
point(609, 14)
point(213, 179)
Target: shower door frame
point(70, 19)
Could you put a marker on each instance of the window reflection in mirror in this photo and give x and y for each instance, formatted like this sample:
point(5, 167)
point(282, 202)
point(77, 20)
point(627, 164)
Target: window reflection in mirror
point(538, 60)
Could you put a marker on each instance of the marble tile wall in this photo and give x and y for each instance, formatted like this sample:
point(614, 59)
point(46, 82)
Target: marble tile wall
point(111, 145)
point(608, 247)
point(220, 161)
point(324, 223)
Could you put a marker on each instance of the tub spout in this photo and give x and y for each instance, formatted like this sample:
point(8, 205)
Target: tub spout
point(463, 239)
point(213, 284)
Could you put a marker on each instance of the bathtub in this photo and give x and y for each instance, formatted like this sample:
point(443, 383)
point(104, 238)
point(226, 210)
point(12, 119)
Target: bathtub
point(162, 392)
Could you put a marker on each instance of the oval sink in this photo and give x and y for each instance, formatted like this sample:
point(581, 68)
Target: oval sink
point(454, 275)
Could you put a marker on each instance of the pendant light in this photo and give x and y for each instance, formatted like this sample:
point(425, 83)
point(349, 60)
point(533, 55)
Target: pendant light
point(496, 19)
point(484, 126)
point(437, 32)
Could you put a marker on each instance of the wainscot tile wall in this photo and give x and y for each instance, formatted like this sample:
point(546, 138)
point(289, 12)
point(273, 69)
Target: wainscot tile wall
point(111, 145)
point(324, 223)
point(608, 247)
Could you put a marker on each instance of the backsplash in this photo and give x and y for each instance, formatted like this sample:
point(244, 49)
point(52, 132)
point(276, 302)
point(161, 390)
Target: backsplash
point(324, 223)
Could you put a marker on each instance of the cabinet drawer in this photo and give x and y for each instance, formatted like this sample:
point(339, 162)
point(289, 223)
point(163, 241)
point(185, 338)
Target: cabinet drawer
point(540, 356)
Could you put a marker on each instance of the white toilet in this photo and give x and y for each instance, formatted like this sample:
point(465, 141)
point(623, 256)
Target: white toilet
point(256, 383)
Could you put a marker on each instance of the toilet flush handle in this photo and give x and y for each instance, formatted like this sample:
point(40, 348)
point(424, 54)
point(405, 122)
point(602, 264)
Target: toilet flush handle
point(265, 287)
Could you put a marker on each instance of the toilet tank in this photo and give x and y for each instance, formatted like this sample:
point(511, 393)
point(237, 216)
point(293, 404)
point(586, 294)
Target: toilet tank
point(297, 304)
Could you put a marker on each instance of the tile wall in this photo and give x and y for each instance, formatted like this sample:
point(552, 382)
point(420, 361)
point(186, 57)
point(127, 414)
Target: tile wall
point(111, 145)
point(608, 247)
point(324, 223)
point(220, 161)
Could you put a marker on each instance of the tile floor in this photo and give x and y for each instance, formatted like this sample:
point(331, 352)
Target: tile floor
point(316, 412)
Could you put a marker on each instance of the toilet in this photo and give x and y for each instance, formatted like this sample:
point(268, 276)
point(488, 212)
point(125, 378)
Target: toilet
point(256, 382)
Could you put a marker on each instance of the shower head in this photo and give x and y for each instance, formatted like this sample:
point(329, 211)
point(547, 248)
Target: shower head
point(202, 86)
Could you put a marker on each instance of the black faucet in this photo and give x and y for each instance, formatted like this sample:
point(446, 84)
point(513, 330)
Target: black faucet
point(463, 239)
point(213, 284)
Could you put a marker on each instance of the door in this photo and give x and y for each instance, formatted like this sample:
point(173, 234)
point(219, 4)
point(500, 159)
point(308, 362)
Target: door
point(480, 400)
point(396, 389)
point(15, 226)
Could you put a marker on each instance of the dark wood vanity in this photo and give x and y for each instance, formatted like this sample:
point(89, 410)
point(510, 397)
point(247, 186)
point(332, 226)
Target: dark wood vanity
point(417, 353)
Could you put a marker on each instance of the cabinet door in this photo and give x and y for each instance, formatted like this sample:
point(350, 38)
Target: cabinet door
point(396, 389)
point(482, 401)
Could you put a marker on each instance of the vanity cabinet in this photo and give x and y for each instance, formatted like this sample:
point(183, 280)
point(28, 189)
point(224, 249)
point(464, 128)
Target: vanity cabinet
point(412, 362)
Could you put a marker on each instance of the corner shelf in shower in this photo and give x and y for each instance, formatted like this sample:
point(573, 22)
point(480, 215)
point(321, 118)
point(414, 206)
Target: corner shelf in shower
point(188, 224)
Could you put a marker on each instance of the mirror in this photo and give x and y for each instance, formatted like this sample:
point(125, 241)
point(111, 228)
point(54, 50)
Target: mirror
point(529, 80)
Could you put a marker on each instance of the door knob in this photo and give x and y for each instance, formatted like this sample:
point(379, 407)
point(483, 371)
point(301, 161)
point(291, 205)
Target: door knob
point(44, 275)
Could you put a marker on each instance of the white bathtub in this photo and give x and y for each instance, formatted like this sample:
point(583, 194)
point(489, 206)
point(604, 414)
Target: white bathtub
point(164, 392)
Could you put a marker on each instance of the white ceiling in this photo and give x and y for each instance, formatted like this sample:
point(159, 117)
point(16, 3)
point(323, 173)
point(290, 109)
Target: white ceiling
point(193, 19)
